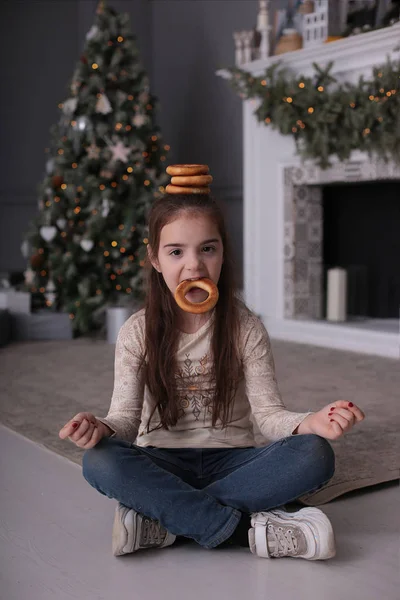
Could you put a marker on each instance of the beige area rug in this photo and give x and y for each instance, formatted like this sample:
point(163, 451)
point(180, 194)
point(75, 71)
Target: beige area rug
point(44, 384)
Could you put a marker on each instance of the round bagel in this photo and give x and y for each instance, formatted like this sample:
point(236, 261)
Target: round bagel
point(187, 170)
point(192, 180)
point(176, 189)
point(197, 307)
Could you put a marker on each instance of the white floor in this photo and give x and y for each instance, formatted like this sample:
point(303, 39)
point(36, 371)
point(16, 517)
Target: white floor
point(55, 537)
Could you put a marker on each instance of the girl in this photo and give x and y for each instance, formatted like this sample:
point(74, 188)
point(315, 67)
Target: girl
point(177, 449)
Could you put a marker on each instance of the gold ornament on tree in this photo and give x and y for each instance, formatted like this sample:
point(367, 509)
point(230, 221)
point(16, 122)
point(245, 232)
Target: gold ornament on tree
point(103, 105)
point(93, 151)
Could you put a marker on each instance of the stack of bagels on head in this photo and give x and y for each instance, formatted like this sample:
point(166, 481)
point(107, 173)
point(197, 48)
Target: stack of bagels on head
point(188, 179)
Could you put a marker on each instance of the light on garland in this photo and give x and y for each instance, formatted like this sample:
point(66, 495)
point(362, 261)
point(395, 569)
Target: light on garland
point(302, 85)
point(114, 244)
point(310, 110)
point(95, 66)
point(321, 88)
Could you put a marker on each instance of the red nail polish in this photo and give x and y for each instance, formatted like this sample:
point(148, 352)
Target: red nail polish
point(331, 420)
point(350, 404)
point(75, 425)
point(330, 414)
point(333, 407)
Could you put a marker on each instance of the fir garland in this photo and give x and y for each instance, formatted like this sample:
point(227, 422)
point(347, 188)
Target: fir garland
point(326, 117)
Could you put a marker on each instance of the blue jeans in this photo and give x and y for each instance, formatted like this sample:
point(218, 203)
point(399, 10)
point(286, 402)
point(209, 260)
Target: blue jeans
point(202, 493)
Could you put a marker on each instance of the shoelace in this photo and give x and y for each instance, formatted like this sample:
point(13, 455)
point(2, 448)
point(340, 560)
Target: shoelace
point(152, 532)
point(283, 539)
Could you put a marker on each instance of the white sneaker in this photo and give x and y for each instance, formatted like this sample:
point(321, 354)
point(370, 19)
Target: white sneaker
point(133, 531)
point(306, 533)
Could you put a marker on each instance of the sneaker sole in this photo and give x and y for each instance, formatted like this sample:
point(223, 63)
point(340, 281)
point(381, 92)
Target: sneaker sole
point(319, 530)
point(121, 544)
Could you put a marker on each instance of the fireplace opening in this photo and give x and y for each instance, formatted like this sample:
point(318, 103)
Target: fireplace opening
point(361, 233)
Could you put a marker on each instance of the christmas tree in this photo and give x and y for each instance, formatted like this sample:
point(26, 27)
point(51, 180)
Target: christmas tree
point(87, 245)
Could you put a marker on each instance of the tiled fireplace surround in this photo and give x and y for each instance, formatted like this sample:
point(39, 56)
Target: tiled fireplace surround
point(303, 229)
point(283, 271)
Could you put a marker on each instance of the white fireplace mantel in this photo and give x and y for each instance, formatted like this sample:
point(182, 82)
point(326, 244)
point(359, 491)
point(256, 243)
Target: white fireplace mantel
point(352, 55)
point(268, 157)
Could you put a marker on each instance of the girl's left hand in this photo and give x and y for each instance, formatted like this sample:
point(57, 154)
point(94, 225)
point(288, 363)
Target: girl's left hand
point(334, 420)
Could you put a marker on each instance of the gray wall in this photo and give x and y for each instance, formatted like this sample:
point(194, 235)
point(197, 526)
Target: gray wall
point(182, 43)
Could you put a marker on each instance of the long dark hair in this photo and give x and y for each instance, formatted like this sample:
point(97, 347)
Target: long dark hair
point(162, 333)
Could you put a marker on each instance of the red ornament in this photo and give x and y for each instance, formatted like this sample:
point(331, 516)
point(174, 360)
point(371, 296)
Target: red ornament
point(84, 59)
point(57, 181)
point(37, 261)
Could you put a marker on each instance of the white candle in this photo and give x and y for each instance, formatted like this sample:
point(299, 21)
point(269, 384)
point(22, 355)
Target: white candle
point(336, 295)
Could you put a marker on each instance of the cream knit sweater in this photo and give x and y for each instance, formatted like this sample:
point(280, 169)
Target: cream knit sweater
point(257, 399)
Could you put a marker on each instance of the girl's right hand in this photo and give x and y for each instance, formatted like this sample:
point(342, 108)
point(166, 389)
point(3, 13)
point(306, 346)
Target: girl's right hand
point(84, 430)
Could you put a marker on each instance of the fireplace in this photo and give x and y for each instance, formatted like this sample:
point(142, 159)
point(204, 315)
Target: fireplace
point(284, 263)
point(373, 291)
point(361, 223)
